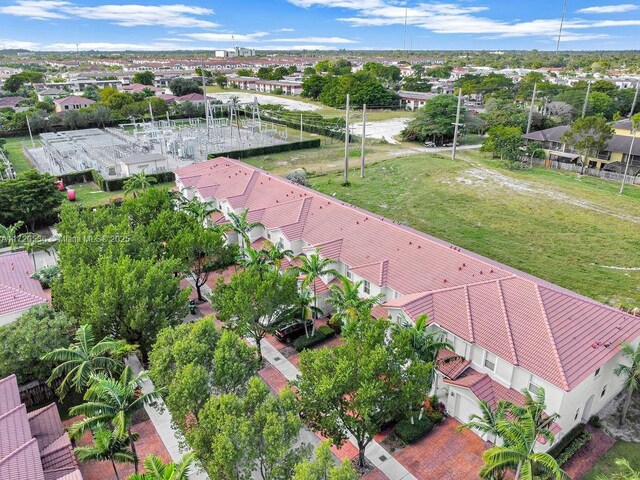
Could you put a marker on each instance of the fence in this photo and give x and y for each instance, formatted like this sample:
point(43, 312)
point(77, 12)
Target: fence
point(37, 393)
point(593, 172)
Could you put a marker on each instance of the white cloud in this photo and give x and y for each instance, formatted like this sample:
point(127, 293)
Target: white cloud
point(459, 18)
point(4, 43)
point(128, 15)
point(621, 8)
point(36, 9)
point(226, 37)
point(312, 40)
point(114, 47)
point(286, 30)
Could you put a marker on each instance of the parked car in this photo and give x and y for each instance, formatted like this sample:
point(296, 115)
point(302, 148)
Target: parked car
point(293, 330)
point(429, 144)
point(450, 144)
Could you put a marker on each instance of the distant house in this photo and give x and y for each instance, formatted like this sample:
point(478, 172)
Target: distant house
point(612, 158)
point(244, 83)
point(286, 86)
point(139, 87)
point(34, 444)
point(18, 291)
point(72, 103)
point(52, 93)
point(195, 98)
point(10, 102)
point(414, 100)
point(167, 97)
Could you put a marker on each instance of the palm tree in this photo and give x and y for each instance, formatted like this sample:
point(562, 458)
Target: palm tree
point(626, 471)
point(314, 267)
point(254, 259)
point(113, 401)
point(83, 358)
point(347, 302)
point(241, 226)
point(306, 309)
point(631, 375)
point(106, 446)
point(536, 406)
point(520, 437)
point(9, 235)
point(487, 422)
point(157, 470)
point(197, 209)
point(138, 181)
point(276, 253)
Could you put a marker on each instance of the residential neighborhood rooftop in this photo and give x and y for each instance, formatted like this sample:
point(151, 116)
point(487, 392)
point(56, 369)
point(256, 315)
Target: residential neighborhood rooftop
point(18, 291)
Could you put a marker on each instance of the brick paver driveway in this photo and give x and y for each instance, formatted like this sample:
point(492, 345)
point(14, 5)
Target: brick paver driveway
point(444, 454)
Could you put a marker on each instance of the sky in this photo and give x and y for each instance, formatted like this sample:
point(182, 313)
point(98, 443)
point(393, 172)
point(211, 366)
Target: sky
point(318, 24)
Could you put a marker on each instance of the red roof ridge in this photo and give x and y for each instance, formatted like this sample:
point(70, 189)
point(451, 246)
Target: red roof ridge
point(556, 355)
point(467, 302)
point(505, 315)
point(22, 447)
point(248, 187)
point(322, 244)
point(22, 292)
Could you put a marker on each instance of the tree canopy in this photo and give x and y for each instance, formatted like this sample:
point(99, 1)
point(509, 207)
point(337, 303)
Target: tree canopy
point(435, 120)
point(145, 78)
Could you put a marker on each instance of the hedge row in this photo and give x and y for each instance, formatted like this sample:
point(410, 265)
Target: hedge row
point(320, 335)
point(112, 184)
point(573, 448)
point(559, 447)
point(410, 432)
point(255, 152)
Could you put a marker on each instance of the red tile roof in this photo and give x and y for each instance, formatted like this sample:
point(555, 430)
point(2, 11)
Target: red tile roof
point(32, 446)
point(450, 364)
point(552, 332)
point(74, 100)
point(18, 291)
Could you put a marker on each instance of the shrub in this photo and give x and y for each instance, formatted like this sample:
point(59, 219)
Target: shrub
point(47, 275)
point(435, 405)
point(595, 421)
point(435, 416)
point(574, 433)
point(321, 334)
point(297, 176)
point(573, 448)
point(410, 432)
point(336, 324)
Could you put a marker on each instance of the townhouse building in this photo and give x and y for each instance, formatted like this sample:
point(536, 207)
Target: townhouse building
point(511, 330)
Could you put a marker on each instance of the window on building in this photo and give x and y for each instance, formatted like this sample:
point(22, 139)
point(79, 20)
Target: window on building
point(268, 235)
point(349, 274)
point(597, 374)
point(366, 287)
point(490, 361)
point(575, 417)
point(604, 391)
point(533, 386)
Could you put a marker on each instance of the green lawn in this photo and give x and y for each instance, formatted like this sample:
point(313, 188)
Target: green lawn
point(14, 149)
point(544, 222)
point(89, 195)
point(606, 465)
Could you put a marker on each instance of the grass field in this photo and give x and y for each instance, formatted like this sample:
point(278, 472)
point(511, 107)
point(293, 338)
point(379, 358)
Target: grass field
point(89, 195)
point(545, 222)
point(606, 466)
point(14, 149)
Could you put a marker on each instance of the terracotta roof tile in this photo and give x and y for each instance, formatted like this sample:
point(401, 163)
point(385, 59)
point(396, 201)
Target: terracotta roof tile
point(18, 291)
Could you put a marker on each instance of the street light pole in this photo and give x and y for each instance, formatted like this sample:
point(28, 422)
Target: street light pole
point(533, 99)
point(346, 144)
point(626, 168)
point(586, 100)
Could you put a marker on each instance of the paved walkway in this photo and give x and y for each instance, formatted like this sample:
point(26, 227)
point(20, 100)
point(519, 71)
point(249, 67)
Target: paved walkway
point(161, 419)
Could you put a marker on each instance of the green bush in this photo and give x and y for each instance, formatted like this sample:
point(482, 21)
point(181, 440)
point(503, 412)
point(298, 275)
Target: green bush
point(573, 448)
point(115, 184)
point(47, 275)
point(255, 152)
point(435, 416)
point(321, 334)
point(574, 433)
point(409, 433)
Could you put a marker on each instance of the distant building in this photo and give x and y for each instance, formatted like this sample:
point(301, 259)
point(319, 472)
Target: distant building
point(52, 93)
point(139, 87)
point(235, 52)
point(18, 291)
point(195, 98)
point(72, 103)
point(414, 100)
point(10, 102)
point(34, 445)
point(288, 87)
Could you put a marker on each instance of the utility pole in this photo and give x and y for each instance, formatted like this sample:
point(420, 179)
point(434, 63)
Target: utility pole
point(346, 144)
point(456, 125)
point(635, 99)
point(406, 14)
point(586, 100)
point(151, 112)
point(533, 99)
point(206, 103)
point(33, 145)
point(364, 132)
point(626, 168)
point(564, 10)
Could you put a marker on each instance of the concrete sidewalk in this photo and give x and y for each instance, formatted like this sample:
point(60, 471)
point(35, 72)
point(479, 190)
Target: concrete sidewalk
point(161, 419)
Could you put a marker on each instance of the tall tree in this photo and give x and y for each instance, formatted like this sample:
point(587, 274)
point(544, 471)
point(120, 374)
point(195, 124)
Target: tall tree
point(83, 358)
point(107, 445)
point(323, 467)
point(630, 371)
point(487, 422)
point(24, 342)
point(356, 387)
point(145, 78)
point(242, 227)
point(197, 209)
point(313, 267)
point(236, 436)
point(346, 300)
point(113, 401)
point(254, 305)
point(434, 121)
point(588, 135)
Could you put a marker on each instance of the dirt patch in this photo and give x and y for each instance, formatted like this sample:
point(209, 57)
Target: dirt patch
point(266, 99)
point(485, 179)
point(386, 129)
point(610, 418)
